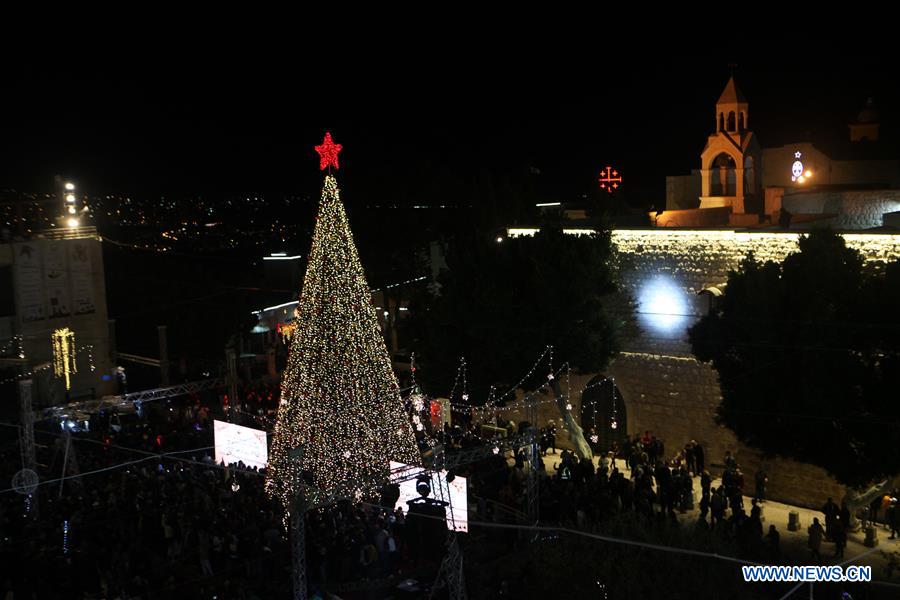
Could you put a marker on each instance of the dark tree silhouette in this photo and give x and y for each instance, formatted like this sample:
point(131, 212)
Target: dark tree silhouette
point(501, 303)
point(808, 361)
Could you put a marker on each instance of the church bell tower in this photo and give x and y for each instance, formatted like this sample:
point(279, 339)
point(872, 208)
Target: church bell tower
point(731, 161)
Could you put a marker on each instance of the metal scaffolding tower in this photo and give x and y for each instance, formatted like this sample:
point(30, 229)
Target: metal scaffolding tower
point(451, 573)
point(298, 546)
point(26, 441)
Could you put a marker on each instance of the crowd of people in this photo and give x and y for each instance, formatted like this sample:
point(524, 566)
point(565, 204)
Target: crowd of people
point(580, 494)
point(146, 526)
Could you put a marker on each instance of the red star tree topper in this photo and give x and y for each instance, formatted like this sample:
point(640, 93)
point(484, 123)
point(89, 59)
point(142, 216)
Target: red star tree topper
point(328, 152)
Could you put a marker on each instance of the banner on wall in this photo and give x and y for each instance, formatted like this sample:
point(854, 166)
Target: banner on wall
point(82, 276)
point(56, 281)
point(29, 281)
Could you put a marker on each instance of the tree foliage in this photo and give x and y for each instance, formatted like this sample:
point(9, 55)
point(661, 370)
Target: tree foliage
point(500, 304)
point(808, 358)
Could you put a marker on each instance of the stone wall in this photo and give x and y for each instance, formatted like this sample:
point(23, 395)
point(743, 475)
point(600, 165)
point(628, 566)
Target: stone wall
point(665, 389)
point(851, 209)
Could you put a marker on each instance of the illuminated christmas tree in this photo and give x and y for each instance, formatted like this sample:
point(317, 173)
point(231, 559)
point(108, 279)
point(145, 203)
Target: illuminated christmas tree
point(341, 417)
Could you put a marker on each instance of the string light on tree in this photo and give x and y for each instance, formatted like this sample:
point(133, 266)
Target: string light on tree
point(63, 341)
point(339, 389)
point(613, 424)
point(65, 544)
point(418, 405)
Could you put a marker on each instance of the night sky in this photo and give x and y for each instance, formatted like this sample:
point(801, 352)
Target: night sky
point(202, 126)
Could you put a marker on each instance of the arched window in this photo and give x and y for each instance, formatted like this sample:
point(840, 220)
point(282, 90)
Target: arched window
point(731, 121)
point(722, 176)
point(721, 122)
point(741, 122)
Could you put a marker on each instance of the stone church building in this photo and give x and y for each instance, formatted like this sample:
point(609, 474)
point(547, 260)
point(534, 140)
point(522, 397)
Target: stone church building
point(851, 182)
point(741, 200)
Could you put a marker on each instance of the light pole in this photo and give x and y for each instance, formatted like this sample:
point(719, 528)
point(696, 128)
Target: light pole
point(70, 208)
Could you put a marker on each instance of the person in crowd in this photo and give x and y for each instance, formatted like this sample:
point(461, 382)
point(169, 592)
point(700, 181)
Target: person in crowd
point(816, 534)
point(773, 542)
point(699, 458)
point(830, 510)
point(762, 481)
point(839, 535)
point(893, 518)
point(729, 461)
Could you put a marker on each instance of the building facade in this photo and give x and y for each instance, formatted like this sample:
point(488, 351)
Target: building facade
point(56, 282)
point(852, 182)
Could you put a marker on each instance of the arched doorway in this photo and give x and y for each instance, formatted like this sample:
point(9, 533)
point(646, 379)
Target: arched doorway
point(603, 415)
point(722, 172)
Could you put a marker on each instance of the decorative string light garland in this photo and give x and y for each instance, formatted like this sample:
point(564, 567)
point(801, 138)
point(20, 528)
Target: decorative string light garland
point(27, 374)
point(547, 350)
point(460, 373)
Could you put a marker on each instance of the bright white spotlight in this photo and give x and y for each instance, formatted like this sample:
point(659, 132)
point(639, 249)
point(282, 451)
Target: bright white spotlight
point(662, 304)
point(71, 210)
point(70, 197)
point(70, 186)
point(73, 222)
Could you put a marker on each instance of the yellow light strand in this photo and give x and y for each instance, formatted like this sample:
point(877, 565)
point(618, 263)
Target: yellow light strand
point(64, 365)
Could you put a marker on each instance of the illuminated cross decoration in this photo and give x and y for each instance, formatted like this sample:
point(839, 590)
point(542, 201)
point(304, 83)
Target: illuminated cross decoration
point(797, 168)
point(328, 152)
point(610, 179)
